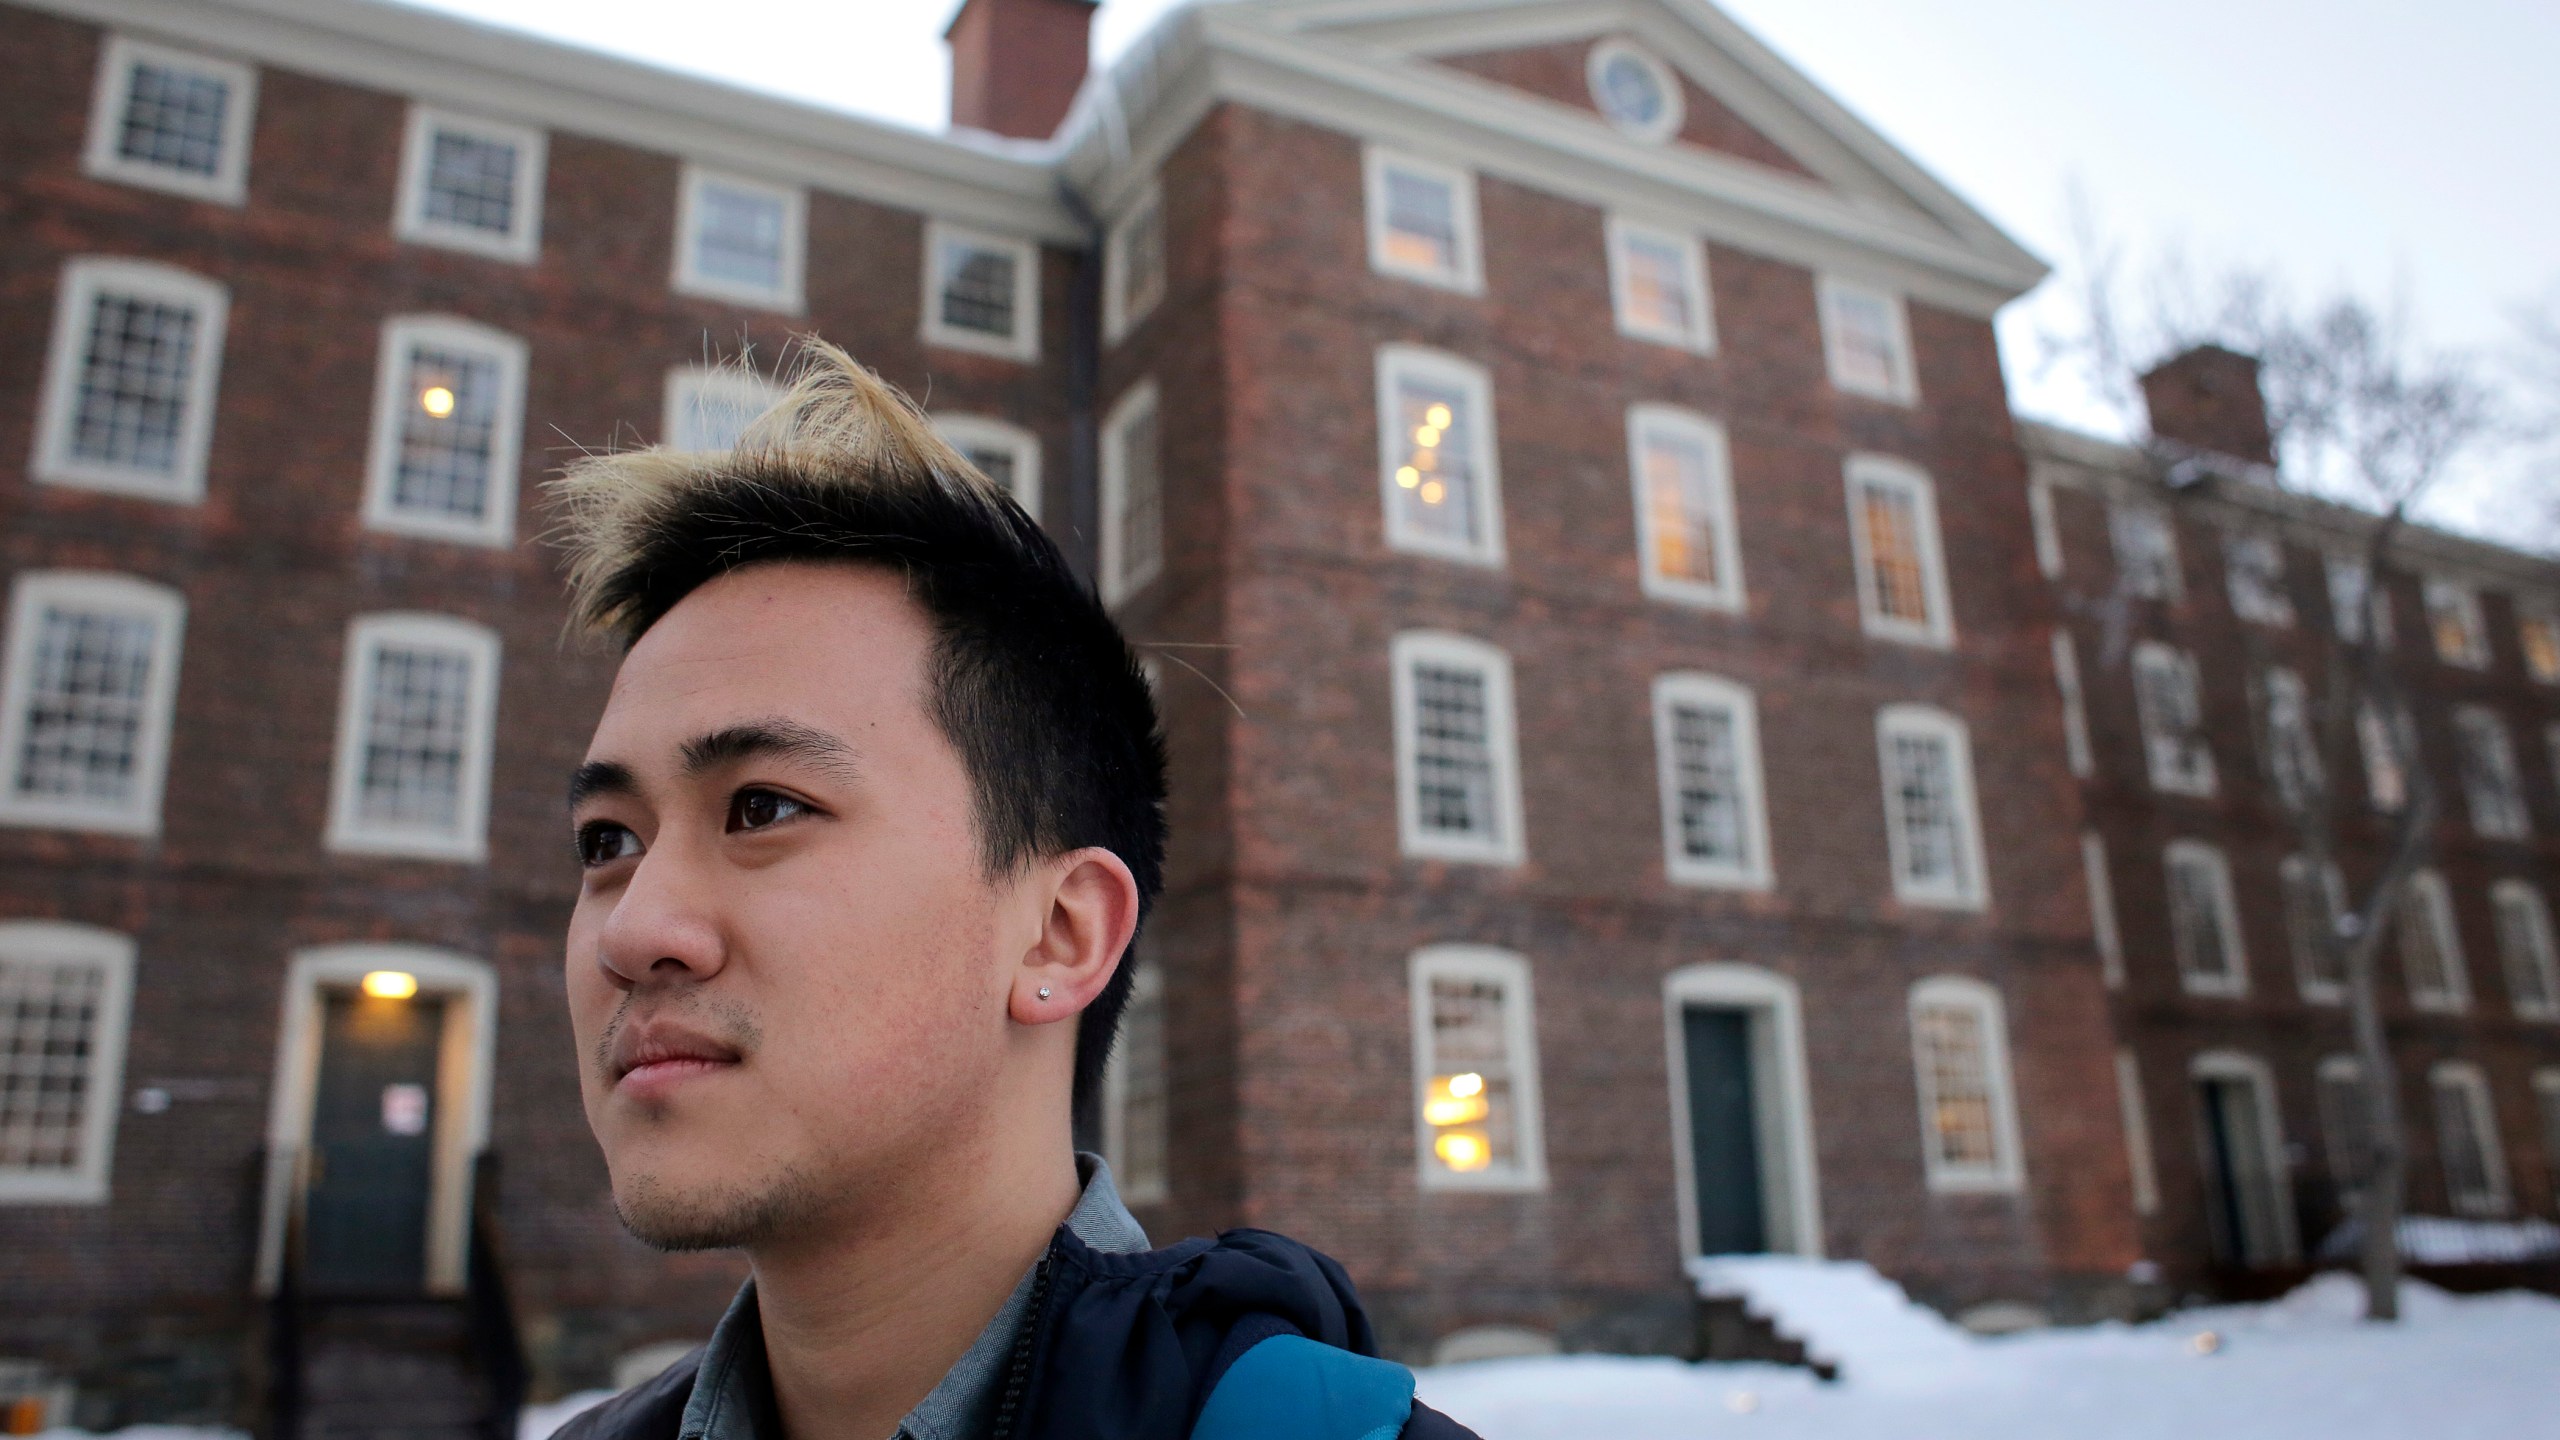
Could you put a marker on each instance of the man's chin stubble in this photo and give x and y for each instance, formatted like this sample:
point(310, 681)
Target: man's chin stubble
point(727, 1217)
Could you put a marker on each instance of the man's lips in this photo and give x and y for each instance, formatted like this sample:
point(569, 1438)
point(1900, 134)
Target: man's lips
point(654, 1056)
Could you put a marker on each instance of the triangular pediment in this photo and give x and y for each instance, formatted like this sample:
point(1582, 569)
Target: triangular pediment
point(1559, 72)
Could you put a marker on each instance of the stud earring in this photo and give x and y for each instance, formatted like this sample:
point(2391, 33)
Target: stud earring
point(1044, 992)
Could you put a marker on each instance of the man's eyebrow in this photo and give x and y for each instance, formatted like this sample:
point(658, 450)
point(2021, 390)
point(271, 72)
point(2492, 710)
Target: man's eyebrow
point(600, 777)
point(774, 738)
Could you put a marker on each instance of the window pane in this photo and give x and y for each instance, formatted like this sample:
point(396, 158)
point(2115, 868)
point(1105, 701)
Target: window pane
point(2463, 1134)
point(173, 119)
point(1142, 261)
point(1657, 285)
point(1897, 583)
point(416, 739)
point(1436, 479)
point(2386, 784)
point(2524, 949)
point(85, 702)
point(1955, 1064)
point(2539, 635)
point(1707, 773)
point(1453, 752)
point(1683, 502)
point(977, 288)
point(134, 373)
point(2197, 917)
point(2490, 784)
point(2172, 721)
point(2254, 565)
point(1141, 517)
point(1422, 222)
point(2311, 923)
point(448, 433)
point(471, 182)
point(2293, 757)
point(2347, 1125)
point(1925, 804)
point(2423, 954)
point(1864, 344)
point(711, 413)
point(49, 1018)
point(738, 235)
point(997, 465)
point(1470, 1103)
point(1139, 1161)
point(2146, 551)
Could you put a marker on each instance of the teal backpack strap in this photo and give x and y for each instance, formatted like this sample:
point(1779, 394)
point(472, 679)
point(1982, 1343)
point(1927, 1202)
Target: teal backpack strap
point(1292, 1388)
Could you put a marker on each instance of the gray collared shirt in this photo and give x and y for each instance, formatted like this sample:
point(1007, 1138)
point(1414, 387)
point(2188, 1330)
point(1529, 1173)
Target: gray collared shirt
point(733, 1391)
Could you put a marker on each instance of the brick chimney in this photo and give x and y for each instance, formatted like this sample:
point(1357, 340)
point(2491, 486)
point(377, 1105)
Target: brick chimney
point(2208, 398)
point(1016, 64)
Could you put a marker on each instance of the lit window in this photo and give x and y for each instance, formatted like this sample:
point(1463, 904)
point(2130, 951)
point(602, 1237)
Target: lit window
point(2102, 907)
point(2204, 921)
point(2386, 780)
point(1135, 261)
point(1867, 341)
point(2525, 950)
point(2453, 619)
point(2075, 711)
point(2351, 593)
point(91, 679)
point(2146, 547)
point(415, 725)
point(2136, 1117)
point(172, 121)
point(1442, 489)
point(2285, 738)
point(2430, 948)
point(66, 994)
point(1006, 454)
point(1636, 92)
point(2475, 1163)
point(1458, 772)
point(130, 381)
point(1660, 281)
point(1968, 1116)
point(1932, 828)
point(709, 407)
point(1893, 530)
point(982, 292)
point(2312, 908)
point(2253, 567)
point(2172, 715)
point(1132, 494)
point(1475, 1070)
point(1715, 830)
point(2346, 1125)
point(2491, 783)
point(1683, 477)
point(1422, 222)
point(2538, 635)
point(448, 418)
point(1136, 1095)
point(740, 239)
point(471, 184)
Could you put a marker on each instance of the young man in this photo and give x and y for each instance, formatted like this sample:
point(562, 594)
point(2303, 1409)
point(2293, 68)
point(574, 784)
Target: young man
point(869, 825)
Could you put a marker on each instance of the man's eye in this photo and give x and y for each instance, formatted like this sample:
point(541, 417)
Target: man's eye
point(756, 809)
point(601, 842)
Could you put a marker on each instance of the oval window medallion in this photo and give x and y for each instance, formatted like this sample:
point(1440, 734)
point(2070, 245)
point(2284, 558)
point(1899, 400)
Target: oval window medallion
point(1634, 90)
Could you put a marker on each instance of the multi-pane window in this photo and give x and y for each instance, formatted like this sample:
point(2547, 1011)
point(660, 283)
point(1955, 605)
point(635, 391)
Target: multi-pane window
point(1933, 832)
point(981, 292)
point(2491, 785)
point(2097, 875)
point(2253, 567)
point(130, 380)
point(447, 423)
point(2136, 1118)
point(1436, 455)
point(1659, 281)
point(2475, 1162)
point(471, 184)
point(1968, 1116)
point(2314, 900)
point(416, 719)
point(2386, 780)
point(1475, 1070)
point(1422, 221)
point(1893, 532)
point(1683, 475)
point(1132, 494)
point(2353, 600)
point(2430, 947)
point(2146, 549)
point(1137, 1095)
point(2525, 950)
point(1458, 771)
point(1135, 263)
point(709, 407)
point(740, 239)
point(1006, 454)
point(65, 996)
point(2346, 1125)
point(1715, 828)
point(2075, 710)
point(2179, 757)
point(2292, 754)
point(2204, 920)
point(2538, 636)
point(172, 121)
point(1866, 339)
point(92, 674)
point(2454, 624)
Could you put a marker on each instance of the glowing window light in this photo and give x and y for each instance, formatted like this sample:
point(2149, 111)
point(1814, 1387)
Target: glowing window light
point(1433, 492)
point(1470, 1083)
point(390, 984)
point(1408, 477)
point(1437, 417)
point(1463, 1150)
point(437, 400)
point(1456, 1100)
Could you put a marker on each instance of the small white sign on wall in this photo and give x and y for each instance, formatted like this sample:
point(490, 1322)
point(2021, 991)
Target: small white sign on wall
point(404, 1109)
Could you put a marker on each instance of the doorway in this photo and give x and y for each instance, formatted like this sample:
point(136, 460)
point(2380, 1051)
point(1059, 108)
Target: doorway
point(2248, 1192)
point(1724, 1132)
point(1742, 1136)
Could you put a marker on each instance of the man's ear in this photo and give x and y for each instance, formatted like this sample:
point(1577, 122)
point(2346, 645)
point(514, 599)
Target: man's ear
point(1093, 910)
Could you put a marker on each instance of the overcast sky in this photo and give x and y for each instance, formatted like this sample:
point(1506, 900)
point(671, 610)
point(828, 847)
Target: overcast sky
point(2406, 151)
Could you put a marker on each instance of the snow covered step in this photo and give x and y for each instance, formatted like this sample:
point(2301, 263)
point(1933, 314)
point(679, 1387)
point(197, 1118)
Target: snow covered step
point(1843, 1312)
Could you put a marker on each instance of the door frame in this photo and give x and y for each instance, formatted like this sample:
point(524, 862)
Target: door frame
point(1791, 1190)
point(464, 1058)
point(2234, 1065)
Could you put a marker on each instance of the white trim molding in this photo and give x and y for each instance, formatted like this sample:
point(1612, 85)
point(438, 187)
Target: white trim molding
point(1464, 272)
point(59, 457)
point(396, 394)
point(1790, 1165)
point(1713, 695)
point(1506, 845)
point(1674, 106)
point(1883, 473)
point(111, 104)
point(27, 946)
point(1900, 384)
point(1685, 432)
point(791, 240)
point(1481, 964)
point(467, 838)
point(1471, 386)
point(2100, 879)
point(1696, 329)
point(941, 239)
point(34, 595)
point(975, 435)
point(2005, 1172)
point(1971, 889)
point(521, 241)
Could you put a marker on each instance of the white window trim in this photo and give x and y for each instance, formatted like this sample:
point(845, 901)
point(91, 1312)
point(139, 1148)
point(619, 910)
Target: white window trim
point(2075, 705)
point(1145, 983)
point(1118, 319)
point(2102, 908)
point(1790, 1162)
point(2529, 897)
point(103, 156)
point(1939, 631)
point(2473, 1082)
point(1468, 277)
point(391, 402)
point(1905, 388)
point(1894, 719)
point(2136, 1116)
point(2226, 919)
point(348, 832)
point(1644, 419)
point(1699, 335)
point(2427, 889)
point(2048, 533)
point(1485, 456)
point(2163, 779)
point(978, 432)
point(689, 278)
point(688, 383)
point(1509, 847)
point(1024, 343)
point(1143, 399)
point(410, 220)
point(167, 609)
point(2314, 990)
point(2007, 1174)
point(1520, 1035)
point(56, 942)
point(82, 279)
point(1675, 103)
point(1670, 692)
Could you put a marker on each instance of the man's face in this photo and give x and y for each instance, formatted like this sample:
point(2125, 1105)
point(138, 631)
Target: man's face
point(787, 970)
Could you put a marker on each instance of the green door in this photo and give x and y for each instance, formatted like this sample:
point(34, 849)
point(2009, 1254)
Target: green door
point(1724, 1132)
point(372, 1145)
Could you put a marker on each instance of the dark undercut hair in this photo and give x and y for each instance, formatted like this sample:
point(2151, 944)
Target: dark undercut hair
point(1031, 681)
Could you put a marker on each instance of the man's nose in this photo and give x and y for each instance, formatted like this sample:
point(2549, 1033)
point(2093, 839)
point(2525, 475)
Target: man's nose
point(664, 928)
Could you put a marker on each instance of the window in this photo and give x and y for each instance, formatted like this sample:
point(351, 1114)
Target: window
point(1006, 454)
point(2292, 755)
point(740, 239)
point(2351, 593)
point(2346, 1125)
point(1422, 222)
point(1893, 532)
point(2430, 947)
point(1658, 280)
point(1636, 92)
point(2453, 620)
point(1475, 1071)
point(1968, 1117)
point(1715, 828)
point(172, 121)
point(1933, 833)
point(2253, 567)
point(66, 994)
point(415, 722)
point(2475, 1163)
point(1132, 494)
point(130, 380)
point(2172, 715)
point(1436, 455)
point(448, 418)
point(2146, 546)
point(2137, 1134)
point(708, 407)
point(2312, 908)
point(2075, 712)
point(92, 676)
point(2546, 1090)
point(2386, 782)
point(1683, 477)
point(2525, 949)
point(2538, 636)
point(2048, 533)
point(1866, 340)
point(1135, 260)
point(1136, 1095)
point(2204, 921)
point(1457, 767)
point(981, 292)
point(2491, 784)
point(471, 184)
point(2102, 908)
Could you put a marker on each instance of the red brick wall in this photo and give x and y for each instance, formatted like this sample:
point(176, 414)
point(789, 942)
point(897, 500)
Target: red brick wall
point(1557, 72)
